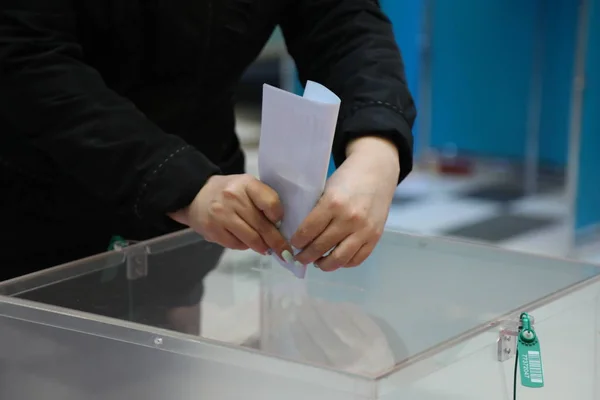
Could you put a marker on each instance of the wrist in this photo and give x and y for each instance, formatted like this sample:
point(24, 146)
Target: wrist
point(180, 216)
point(381, 153)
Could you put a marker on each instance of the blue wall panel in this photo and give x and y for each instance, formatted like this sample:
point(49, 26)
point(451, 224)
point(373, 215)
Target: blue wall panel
point(481, 66)
point(560, 27)
point(588, 194)
point(407, 19)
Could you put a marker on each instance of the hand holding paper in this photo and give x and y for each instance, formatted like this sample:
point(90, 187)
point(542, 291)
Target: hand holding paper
point(238, 212)
point(350, 216)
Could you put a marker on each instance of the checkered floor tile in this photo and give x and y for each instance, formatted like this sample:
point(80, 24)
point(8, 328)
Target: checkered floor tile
point(499, 228)
point(432, 216)
point(477, 208)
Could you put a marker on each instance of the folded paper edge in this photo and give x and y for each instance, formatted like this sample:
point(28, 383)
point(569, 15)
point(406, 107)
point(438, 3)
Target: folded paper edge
point(336, 101)
point(298, 271)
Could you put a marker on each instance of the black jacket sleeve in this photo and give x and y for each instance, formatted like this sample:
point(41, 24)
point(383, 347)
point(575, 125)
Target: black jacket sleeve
point(349, 46)
point(63, 108)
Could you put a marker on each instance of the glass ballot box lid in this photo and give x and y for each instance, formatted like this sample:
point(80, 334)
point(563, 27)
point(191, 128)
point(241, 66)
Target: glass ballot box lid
point(178, 317)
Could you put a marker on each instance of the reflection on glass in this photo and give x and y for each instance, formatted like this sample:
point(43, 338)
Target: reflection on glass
point(413, 294)
point(335, 334)
point(168, 297)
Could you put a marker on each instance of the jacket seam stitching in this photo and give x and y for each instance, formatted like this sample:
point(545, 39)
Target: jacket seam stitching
point(372, 103)
point(151, 176)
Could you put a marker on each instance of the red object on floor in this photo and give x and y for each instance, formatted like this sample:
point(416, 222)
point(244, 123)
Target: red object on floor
point(455, 166)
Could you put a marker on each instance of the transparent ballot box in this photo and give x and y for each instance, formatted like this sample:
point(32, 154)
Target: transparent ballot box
point(178, 318)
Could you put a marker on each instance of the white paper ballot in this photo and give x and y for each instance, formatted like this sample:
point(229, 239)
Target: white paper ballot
point(295, 145)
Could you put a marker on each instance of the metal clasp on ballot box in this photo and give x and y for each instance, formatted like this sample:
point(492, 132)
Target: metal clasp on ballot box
point(136, 258)
point(507, 338)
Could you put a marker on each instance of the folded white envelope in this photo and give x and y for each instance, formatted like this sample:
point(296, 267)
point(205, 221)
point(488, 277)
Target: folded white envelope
point(295, 146)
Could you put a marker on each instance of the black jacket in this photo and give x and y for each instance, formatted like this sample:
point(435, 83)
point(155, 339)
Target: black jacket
point(126, 105)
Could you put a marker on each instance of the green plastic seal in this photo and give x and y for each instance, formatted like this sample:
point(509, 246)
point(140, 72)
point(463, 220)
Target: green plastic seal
point(530, 355)
point(116, 241)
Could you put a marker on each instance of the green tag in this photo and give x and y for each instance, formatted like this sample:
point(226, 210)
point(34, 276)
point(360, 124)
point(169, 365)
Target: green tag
point(116, 241)
point(530, 356)
point(110, 273)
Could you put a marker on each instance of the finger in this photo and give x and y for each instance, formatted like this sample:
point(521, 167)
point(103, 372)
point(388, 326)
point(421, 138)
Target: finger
point(265, 228)
point(266, 200)
point(361, 255)
point(341, 255)
point(312, 227)
point(246, 234)
point(332, 236)
point(227, 239)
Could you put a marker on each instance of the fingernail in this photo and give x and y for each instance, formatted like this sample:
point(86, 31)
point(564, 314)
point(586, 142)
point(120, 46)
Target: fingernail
point(278, 224)
point(298, 264)
point(287, 256)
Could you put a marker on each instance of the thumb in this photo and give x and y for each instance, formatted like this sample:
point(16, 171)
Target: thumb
point(266, 200)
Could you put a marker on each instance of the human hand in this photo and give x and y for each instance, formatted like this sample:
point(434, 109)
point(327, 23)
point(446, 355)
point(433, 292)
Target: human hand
point(237, 212)
point(350, 216)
